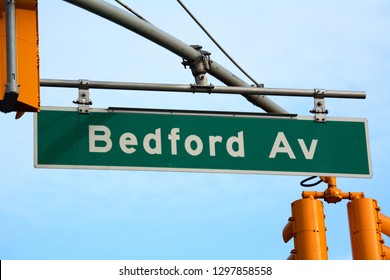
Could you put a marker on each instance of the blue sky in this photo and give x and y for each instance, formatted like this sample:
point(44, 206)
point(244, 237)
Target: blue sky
point(95, 214)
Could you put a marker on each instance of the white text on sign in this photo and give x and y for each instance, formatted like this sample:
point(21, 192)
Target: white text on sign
point(193, 144)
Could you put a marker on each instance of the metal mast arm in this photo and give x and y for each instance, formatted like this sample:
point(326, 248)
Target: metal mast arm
point(154, 34)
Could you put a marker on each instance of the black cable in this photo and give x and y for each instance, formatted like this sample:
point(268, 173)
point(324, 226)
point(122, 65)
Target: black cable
point(303, 182)
point(130, 10)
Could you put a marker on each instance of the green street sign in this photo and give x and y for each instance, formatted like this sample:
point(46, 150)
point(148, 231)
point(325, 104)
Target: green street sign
point(201, 141)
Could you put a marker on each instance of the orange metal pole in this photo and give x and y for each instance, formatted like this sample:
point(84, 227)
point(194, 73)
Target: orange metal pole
point(366, 238)
point(309, 230)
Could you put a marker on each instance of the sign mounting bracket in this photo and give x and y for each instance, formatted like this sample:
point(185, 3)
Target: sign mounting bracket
point(319, 106)
point(83, 100)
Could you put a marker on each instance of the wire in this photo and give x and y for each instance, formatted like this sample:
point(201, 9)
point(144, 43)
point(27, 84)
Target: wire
point(303, 182)
point(130, 10)
point(218, 45)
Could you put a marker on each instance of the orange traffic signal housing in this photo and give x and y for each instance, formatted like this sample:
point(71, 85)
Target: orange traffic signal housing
point(366, 225)
point(307, 227)
point(27, 55)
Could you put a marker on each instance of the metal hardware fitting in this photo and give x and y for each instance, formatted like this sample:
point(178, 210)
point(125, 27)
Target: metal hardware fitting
point(319, 106)
point(197, 87)
point(83, 101)
point(199, 65)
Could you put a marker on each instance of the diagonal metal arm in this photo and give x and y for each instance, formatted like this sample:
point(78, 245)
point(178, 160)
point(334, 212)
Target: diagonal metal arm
point(154, 34)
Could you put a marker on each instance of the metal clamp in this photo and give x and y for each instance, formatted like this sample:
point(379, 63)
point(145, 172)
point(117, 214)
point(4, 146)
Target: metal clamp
point(319, 106)
point(83, 101)
point(202, 88)
point(199, 65)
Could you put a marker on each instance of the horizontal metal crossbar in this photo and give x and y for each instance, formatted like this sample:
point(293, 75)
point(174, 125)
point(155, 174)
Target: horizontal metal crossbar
point(192, 88)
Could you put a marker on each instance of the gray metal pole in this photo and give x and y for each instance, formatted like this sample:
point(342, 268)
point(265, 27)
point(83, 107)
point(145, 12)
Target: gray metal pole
point(247, 91)
point(11, 90)
point(154, 34)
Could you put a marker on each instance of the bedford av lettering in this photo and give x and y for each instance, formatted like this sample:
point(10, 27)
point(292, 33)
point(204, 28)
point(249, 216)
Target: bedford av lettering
point(100, 142)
